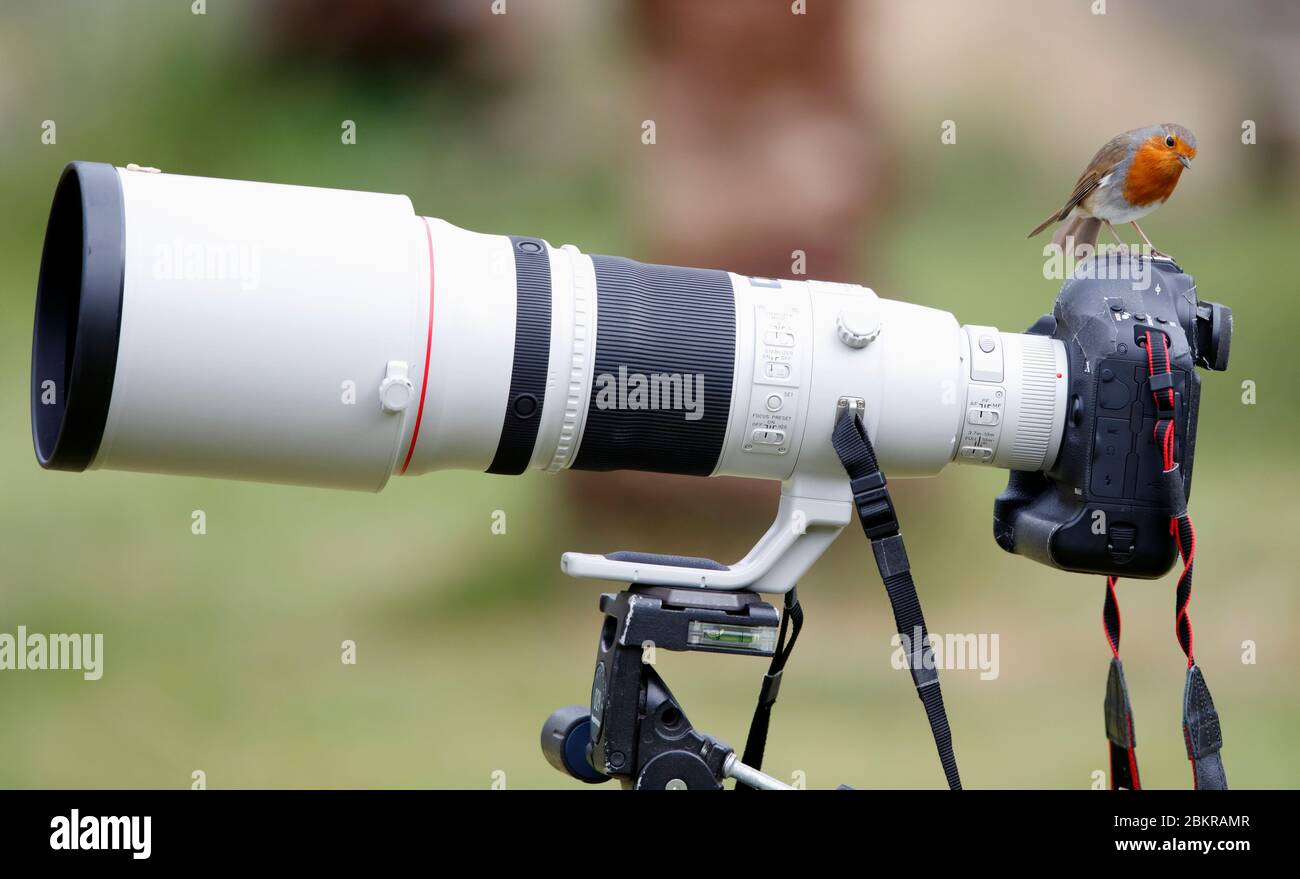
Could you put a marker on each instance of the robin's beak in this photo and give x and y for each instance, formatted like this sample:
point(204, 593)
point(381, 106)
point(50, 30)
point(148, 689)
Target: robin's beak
point(1187, 163)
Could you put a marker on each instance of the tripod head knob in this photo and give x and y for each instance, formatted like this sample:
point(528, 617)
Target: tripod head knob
point(566, 737)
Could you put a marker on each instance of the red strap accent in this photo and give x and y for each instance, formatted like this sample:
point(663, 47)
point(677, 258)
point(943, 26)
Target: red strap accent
point(1110, 619)
point(1179, 526)
point(1164, 436)
point(1183, 622)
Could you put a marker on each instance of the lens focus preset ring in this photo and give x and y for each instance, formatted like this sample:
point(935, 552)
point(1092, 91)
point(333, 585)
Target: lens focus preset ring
point(532, 352)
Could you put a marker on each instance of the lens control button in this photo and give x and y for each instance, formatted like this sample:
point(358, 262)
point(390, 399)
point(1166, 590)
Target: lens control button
point(985, 354)
point(525, 406)
point(977, 453)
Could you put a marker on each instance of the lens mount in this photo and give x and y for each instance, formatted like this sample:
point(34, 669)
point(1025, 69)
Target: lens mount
point(78, 316)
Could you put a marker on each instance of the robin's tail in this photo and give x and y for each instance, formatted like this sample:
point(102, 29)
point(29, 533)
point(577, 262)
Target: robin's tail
point(1043, 225)
point(1083, 230)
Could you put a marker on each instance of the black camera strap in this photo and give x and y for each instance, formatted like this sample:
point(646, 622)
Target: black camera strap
point(880, 524)
point(1201, 731)
point(756, 742)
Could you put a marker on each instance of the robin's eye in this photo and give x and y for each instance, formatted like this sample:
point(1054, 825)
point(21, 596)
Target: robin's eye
point(1169, 141)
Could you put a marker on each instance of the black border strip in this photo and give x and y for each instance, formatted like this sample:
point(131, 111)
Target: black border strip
point(333, 827)
point(532, 355)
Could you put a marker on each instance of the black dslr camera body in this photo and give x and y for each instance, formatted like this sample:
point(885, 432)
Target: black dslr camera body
point(1103, 508)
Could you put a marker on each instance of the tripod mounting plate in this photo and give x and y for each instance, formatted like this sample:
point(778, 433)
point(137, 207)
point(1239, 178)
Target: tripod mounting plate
point(672, 618)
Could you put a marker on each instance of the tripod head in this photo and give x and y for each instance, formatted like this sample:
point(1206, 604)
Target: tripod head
point(635, 730)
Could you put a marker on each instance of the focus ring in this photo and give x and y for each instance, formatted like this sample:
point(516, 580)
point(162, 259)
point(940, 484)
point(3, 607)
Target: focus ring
point(665, 356)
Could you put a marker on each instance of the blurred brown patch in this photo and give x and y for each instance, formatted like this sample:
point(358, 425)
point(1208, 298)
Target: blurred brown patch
point(764, 150)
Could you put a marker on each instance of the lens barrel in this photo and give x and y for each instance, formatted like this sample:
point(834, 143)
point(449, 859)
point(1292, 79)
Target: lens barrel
point(335, 338)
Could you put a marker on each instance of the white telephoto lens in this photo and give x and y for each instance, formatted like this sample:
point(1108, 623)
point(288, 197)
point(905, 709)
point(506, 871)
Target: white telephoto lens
point(327, 337)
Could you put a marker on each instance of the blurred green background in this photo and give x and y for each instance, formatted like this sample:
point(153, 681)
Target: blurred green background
point(222, 651)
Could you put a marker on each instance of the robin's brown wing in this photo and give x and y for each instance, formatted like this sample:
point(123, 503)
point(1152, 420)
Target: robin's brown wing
point(1107, 158)
point(1076, 232)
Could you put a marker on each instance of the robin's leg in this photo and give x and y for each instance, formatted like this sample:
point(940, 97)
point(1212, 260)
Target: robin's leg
point(1114, 234)
point(1154, 252)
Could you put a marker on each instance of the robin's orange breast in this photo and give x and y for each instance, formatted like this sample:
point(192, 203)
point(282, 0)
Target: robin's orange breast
point(1152, 176)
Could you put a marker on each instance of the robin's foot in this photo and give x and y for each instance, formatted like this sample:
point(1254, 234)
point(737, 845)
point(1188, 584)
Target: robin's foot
point(1155, 254)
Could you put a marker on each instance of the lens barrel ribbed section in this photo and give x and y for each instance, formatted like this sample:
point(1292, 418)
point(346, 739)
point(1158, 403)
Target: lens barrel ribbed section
point(665, 356)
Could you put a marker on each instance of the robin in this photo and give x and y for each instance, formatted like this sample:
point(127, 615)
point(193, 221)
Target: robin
point(1131, 176)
